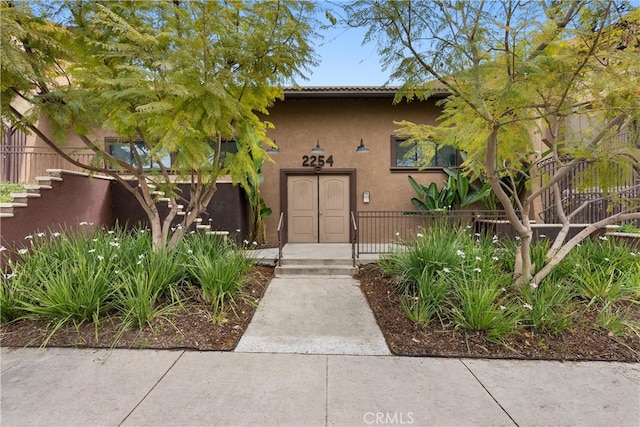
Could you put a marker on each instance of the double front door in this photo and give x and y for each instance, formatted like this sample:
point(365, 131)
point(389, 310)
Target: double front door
point(318, 209)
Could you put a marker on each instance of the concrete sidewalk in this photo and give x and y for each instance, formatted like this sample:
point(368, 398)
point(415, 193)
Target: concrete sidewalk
point(56, 387)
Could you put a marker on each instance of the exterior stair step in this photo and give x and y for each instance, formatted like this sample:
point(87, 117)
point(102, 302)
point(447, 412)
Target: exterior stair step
point(32, 189)
point(23, 197)
point(6, 215)
point(316, 267)
point(316, 270)
point(46, 181)
point(6, 208)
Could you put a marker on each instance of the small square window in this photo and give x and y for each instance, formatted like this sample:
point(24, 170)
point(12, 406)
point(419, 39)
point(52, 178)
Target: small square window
point(408, 156)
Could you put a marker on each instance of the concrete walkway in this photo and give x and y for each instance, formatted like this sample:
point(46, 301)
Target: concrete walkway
point(71, 387)
point(322, 313)
point(313, 314)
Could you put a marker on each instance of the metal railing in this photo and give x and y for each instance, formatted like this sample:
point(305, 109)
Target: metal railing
point(354, 237)
point(23, 163)
point(385, 231)
point(280, 226)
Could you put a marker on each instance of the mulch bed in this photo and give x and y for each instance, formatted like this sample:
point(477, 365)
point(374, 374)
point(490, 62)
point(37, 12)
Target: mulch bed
point(583, 342)
point(193, 329)
point(185, 329)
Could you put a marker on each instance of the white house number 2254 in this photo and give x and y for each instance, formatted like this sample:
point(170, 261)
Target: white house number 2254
point(316, 161)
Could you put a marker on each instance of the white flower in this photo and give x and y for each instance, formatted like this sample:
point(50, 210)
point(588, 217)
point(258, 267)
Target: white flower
point(245, 241)
point(139, 262)
point(529, 306)
point(142, 231)
point(22, 251)
point(117, 271)
point(578, 244)
point(254, 243)
point(2, 249)
point(542, 236)
point(84, 223)
point(28, 237)
point(607, 259)
point(478, 270)
point(533, 285)
point(633, 254)
point(468, 226)
point(56, 234)
point(460, 253)
point(603, 238)
point(517, 237)
point(179, 227)
point(397, 233)
point(237, 230)
point(94, 240)
point(40, 234)
point(110, 232)
point(477, 234)
point(116, 244)
point(189, 251)
point(100, 257)
point(10, 275)
point(494, 238)
point(495, 258)
point(504, 289)
point(502, 307)
point(478, 258)
point(446, 270)
point(141, 256)
point(91, 251)
point(420, 235)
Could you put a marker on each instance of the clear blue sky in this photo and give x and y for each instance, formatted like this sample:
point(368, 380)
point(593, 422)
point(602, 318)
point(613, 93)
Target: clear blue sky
point(343, 60)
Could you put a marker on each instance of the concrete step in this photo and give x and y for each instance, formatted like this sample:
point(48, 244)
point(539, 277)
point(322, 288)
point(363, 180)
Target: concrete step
point(46, 181)
point(6, 208)
point(317, 261)
point(6, 215)
point(315, 270)
point(23, 197)
point(34, 189)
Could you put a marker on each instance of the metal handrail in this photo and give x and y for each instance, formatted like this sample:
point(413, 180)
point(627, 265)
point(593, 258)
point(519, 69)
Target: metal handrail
point(280, 223)
point(354, 238)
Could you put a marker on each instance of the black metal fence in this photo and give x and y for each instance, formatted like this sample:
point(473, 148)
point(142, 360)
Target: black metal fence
point(385, 231)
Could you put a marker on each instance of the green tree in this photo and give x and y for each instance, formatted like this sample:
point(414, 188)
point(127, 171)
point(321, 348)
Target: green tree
point(513, 69)
point(183, 79)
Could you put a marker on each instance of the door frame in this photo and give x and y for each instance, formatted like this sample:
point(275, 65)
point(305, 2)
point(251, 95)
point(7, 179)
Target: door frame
point(284, 191)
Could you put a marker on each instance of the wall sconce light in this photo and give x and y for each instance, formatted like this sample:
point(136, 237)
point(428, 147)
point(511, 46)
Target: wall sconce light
point(273, 150)
point(317, 149)
point(361, 148)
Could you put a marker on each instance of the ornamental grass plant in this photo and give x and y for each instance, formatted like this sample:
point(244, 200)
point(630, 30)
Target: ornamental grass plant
point(92, 276)
point(463, 280)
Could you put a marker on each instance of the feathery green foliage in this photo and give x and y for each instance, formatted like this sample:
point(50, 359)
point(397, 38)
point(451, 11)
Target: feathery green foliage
point(179, 78)
point(524, 78)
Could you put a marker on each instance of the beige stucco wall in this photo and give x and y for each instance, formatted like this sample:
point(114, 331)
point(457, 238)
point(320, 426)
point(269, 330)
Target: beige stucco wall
point(339, 124)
